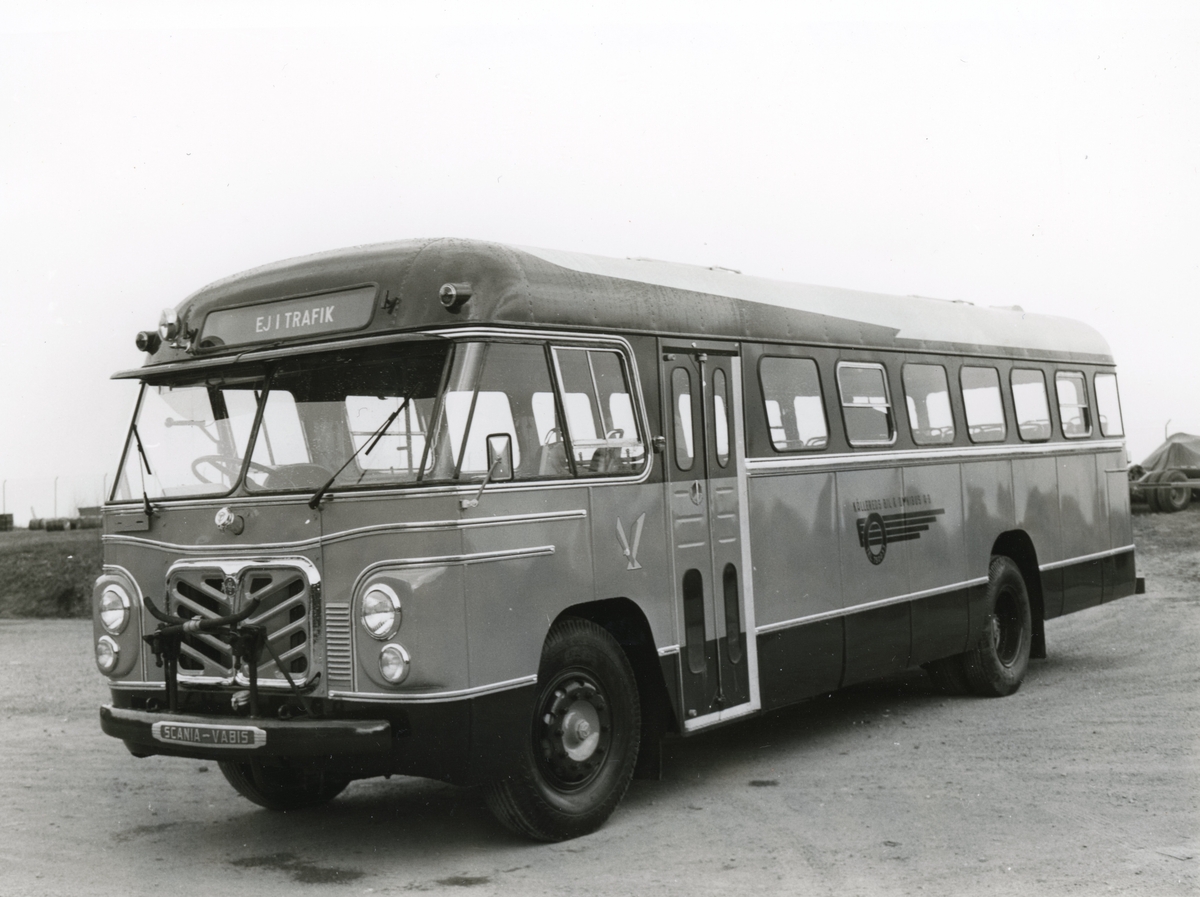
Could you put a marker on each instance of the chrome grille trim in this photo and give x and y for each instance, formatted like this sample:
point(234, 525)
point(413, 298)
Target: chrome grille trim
point(288, 593)
point(338, 651)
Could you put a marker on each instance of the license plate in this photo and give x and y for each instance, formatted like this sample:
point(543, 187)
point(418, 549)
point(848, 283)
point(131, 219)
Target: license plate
point(206, 735)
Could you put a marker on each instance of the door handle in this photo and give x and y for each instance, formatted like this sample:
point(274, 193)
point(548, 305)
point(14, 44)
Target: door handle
point(697, 492)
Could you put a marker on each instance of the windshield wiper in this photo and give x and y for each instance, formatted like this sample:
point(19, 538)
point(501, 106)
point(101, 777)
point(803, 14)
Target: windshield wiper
point(315, 501)
point(146, 506)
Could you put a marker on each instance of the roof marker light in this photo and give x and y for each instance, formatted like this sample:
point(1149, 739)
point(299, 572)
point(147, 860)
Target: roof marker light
point(454, 295)
point(168, 324)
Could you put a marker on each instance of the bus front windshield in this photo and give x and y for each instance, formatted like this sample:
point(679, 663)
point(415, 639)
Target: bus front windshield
point(368, 410)
point(189, 438)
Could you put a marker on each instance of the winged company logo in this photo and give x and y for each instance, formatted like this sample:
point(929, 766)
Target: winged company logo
point(876, 531)
point(630, 551)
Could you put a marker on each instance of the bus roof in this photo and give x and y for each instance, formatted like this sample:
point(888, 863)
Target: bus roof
point(398, 284)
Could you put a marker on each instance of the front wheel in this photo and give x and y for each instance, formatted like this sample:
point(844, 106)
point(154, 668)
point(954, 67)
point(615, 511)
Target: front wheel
point(282, 788)
point(997, 664)
point(583, 740)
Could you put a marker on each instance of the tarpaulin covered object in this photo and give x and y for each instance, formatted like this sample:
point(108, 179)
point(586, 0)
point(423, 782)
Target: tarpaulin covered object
point(1181, 451)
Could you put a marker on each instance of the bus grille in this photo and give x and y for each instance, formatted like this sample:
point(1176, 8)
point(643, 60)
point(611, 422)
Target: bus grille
point(337, 645)
point(285, 609)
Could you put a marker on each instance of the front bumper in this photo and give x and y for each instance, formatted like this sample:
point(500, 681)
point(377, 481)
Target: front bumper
point(239, 737)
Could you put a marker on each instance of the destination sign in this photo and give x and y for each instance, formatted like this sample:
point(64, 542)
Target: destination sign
point(289, 318)
point(209, 735)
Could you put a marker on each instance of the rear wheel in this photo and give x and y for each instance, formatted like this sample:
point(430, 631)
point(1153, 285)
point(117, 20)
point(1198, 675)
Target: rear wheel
point(1176, 498)
point(583, 739)
point(997, 664)
point(281, 787)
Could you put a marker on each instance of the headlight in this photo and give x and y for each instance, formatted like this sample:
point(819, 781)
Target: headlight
point(107, 654)
point(381, 612)
point(394, 663)
point(114, 609)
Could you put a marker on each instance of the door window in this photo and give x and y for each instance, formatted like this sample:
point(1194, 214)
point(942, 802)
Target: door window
point(681, 404)
point(602, 427)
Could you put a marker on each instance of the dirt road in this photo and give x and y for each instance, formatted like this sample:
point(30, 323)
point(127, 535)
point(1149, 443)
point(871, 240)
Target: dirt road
point(1087, 781)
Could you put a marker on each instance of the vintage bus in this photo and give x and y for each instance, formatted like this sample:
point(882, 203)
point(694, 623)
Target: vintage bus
point(509, 516)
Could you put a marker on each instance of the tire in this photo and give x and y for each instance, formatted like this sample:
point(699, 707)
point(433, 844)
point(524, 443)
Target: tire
point(1152, 492)
point(583, 739)
point(282, 788)
point(996, 666)
point(1178, 498)
point(948, 675)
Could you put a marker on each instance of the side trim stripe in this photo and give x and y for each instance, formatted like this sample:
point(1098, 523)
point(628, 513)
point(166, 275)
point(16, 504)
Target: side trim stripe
point(416, 526)
point(869, 605)
point(795, 463)
point(438, 696)
point(928, 593)
point(1112, 552)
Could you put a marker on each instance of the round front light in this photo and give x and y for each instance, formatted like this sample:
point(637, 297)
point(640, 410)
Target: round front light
point(114, 609)
point(394, 663)
point(381, 614)
point(107, 654)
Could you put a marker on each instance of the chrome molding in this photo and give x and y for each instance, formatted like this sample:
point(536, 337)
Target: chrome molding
point(905, 457)
point(1083, 559)
point(869, 605)
point(438, 696)
point(342, 535)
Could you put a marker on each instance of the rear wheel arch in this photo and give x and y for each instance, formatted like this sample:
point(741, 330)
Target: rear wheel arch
point(1017, 545)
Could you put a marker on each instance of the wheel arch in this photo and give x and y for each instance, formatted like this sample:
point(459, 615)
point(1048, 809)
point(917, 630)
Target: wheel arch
point(625, 621)
point(1017, 544)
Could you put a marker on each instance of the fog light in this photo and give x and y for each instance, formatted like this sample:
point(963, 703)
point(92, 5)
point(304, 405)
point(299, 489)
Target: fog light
point(394, 663)
point(114, 609)
point(381, 612)
point(107, 654)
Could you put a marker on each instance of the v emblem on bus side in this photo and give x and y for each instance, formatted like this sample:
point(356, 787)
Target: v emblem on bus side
point(631, 552)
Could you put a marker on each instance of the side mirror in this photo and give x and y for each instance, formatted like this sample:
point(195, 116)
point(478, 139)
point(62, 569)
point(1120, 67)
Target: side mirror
point(499, 457)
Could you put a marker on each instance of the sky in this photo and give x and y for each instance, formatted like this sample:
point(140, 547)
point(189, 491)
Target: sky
point(1044, 155)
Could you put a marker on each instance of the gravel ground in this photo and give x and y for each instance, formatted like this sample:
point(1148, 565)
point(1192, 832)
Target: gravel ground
point(1086, 782)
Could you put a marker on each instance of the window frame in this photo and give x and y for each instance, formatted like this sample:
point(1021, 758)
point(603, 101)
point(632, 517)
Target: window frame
point(1117, 396)
point(1083, 382)
point(890, 413)
point(1000, 394)
point(762, 386)
point(628, 369)
point(1045, 395)
point(912, 430)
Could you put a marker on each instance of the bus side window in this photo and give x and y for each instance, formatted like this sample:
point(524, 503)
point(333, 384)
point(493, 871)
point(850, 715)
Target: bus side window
point(866, 404)
point(1032, 407)
point(1073, 404)
point(928, 397)
point(792, 398)
point(1108, 405)
point(601, 424)
point(981, 400)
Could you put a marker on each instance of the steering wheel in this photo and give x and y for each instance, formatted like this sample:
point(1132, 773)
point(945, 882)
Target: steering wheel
point(230, 467)
point(616, 433)
point(552, 436)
